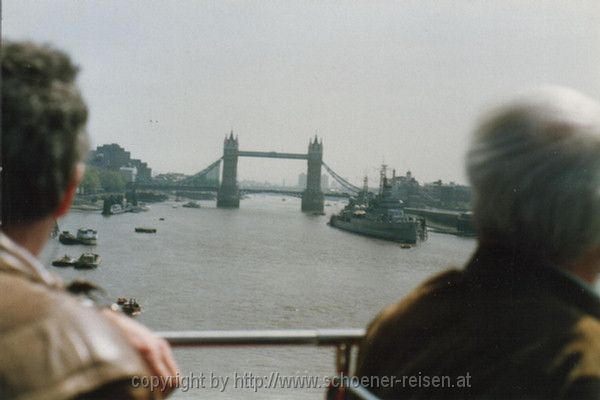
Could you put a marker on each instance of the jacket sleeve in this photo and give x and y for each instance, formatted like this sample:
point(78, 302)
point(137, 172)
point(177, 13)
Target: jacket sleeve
point(66, 351)
point(122, 390)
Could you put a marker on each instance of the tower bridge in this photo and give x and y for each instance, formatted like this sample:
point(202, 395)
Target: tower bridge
point(228, 195)
point(228, 191)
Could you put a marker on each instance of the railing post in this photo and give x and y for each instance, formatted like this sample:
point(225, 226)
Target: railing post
point(342, 367)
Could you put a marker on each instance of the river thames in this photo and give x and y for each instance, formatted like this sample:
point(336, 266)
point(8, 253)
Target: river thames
point(263, 266)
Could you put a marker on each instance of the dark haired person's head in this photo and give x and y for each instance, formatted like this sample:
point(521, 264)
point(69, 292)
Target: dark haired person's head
point(43, 137)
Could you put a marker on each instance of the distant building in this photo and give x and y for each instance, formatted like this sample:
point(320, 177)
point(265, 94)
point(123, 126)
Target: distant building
point(113, 157)
point(335, 186)
point(325, 182)
point(250, 184)
point(302, 181)
point(170, 177)
point(407, 189)
point(110, 156)
point(437, 194)
point(144, 173)
point(448, 195)
point(129, 173)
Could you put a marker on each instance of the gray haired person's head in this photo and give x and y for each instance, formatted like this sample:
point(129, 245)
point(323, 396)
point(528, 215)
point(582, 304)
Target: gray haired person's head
point(43, 116)
point(534, 165)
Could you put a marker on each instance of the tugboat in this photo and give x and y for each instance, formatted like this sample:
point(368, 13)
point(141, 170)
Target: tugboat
point(67, 237)
point(381, 216)
point(88, 261)
point(191, 204)
point(65, 261)
point(87, 236)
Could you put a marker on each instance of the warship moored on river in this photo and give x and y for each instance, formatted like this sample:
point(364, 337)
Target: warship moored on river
point(381, 216)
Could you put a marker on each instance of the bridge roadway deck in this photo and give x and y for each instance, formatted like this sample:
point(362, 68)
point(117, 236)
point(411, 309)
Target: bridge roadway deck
point(191, 188)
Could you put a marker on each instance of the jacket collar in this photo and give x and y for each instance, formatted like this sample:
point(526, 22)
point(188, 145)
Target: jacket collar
point(18, 260)
point(506, 269)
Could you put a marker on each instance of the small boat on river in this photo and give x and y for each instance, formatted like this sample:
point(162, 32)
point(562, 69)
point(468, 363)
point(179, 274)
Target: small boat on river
point(67, 237)
point(191, 204)
point(139, 208)
point(64, 261)
point(116, 209)
point(129, 306)
point(87, 261)
point(145, 230)
point(87, 236)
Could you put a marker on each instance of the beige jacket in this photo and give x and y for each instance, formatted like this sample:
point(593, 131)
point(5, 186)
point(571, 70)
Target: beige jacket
point(52, 346)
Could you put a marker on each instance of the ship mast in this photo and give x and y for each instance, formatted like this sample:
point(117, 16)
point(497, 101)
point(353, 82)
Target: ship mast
point(366, 190)
point(382, 177)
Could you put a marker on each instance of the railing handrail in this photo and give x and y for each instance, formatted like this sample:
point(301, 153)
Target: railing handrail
point(269, 337)
point(342, 339)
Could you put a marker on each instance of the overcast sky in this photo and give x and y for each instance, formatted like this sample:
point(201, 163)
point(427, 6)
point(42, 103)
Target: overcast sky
point(394, 81)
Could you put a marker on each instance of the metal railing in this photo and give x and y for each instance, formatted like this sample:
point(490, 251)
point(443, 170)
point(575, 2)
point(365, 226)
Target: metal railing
point(342, 339)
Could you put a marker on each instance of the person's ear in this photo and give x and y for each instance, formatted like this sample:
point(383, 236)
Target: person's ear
point(67, 200)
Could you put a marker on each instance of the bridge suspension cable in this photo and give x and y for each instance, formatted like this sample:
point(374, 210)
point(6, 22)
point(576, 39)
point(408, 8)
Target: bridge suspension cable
point(205, 171)
point(345, 184)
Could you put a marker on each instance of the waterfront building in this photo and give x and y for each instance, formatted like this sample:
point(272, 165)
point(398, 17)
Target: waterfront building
point(113, 157)
point(170, 177)
point(448, 195)
point(407, 189)
point(129, 173)
point(110, 156)
point(144, 173)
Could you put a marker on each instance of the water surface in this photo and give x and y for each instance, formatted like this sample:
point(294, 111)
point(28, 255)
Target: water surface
point(263, 266)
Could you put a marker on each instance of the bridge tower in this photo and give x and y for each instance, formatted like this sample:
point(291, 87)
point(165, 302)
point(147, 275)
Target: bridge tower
point(229, 194)
point(312, 197)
